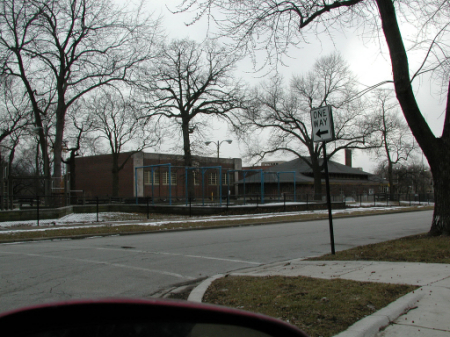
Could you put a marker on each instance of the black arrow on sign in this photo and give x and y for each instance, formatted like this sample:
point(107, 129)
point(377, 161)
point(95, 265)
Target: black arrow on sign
point(320, 133)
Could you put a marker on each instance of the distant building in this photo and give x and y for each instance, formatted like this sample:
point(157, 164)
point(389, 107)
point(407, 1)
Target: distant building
point(344, 180)
point(94, 175)
point(147, 175)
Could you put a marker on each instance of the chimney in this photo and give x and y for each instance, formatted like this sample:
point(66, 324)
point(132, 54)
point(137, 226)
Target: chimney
point(348, 157)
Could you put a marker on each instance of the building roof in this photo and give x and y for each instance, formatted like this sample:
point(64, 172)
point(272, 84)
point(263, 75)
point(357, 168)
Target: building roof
point(304, 173)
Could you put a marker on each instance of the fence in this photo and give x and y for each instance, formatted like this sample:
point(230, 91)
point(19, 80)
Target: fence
point(389, 200)
point(35, 208)
point(381, 199)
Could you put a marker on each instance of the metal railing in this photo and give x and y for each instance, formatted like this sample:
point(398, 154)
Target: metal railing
point(380, 199)
point(40, 203)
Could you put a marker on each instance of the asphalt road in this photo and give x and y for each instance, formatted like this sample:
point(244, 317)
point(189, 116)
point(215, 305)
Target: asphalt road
point(140, 265)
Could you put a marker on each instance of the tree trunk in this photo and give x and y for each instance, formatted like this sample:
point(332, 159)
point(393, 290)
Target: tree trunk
point(391, 179)
point(115, 175)
point(441, 176)
point(73, 181)
point(57, 145)
point(188, 158)
point(11, 156)
point(317, 174)
point(388, 156)
point(46, 164)
point(37, 170)
point(71, 170)
point(435, 149)
point(42, 138)
point(57, 150)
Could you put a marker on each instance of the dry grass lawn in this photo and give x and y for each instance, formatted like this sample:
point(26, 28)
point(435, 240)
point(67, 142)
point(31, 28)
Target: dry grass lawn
point(326, 307)
point(317, 306)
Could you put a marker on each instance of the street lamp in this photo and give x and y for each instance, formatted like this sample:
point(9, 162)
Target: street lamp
point(218, 143)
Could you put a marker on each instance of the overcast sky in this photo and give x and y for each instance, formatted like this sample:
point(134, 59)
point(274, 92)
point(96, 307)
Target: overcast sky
point(366, 59)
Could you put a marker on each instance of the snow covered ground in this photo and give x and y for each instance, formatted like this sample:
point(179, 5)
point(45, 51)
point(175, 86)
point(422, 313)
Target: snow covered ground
point(123, 219)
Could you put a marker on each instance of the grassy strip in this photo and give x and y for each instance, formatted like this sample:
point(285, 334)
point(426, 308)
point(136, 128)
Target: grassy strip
point(415, 248)
point(318, 307)
point(107, 229)
point(326, 307)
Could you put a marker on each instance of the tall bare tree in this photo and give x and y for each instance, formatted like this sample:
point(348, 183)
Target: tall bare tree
point(191, 81)
point(63, 49)
point(191, 84)
point(121, 124)
point(410, 178)
point(78, 132)
point(274, 25)
point(285, 113)
point(14, 108)
point(14, 115)
point(392, 140)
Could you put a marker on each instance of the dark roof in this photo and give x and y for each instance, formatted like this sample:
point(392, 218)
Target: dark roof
point(303, 173)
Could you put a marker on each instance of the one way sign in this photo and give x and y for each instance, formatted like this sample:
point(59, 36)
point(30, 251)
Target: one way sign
point(322, 124)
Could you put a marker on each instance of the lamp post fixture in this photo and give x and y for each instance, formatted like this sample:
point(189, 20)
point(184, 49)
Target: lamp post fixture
point(218, 143)
point(219, 184)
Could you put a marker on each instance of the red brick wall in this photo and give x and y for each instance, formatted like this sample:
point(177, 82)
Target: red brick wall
point(94, 176)
point(179, 190)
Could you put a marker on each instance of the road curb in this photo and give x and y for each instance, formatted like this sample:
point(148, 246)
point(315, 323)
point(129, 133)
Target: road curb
point(371, 325)
point(198, 292)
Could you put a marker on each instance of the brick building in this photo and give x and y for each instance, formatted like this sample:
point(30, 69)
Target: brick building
point(93, 175)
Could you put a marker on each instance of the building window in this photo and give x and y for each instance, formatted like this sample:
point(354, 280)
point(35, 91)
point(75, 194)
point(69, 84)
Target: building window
point(156, 177)
point(165, 178)
point(148, 177)
point(212, 179)
point(225, 178)
point(174, 178)
point(196, 178)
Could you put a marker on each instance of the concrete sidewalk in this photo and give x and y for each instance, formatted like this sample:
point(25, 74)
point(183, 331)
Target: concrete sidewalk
point(424, 312)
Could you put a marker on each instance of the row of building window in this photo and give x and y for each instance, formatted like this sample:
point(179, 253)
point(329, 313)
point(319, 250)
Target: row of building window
point(148, 179)
point(164, 177)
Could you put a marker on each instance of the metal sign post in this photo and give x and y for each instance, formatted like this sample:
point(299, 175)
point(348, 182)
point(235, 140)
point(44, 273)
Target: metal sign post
point(327, 182)
point(323, 131)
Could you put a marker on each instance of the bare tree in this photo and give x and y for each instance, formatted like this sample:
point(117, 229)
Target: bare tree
point(410, 178)
point(14, 109)
point(14, 114)
point(392, 140)
point(79, 127)
point(121, 124)
point(192, 81)
point(285, 114)
point(61, 50)
point(24, 167)
point(22, 172)
point(275, 25)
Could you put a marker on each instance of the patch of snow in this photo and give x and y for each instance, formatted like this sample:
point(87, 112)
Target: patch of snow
point(89, 220)
point(69, 219)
